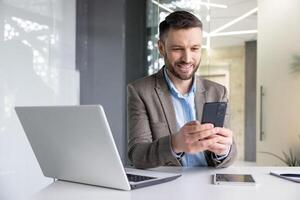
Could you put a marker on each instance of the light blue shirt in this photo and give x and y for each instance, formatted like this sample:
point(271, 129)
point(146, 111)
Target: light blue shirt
point(185, 111)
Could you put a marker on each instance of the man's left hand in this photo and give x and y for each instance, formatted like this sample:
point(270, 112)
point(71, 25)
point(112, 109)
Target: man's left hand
point(222, 146)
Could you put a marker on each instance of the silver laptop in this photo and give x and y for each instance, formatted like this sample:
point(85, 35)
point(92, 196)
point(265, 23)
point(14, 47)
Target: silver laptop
point(75, 143)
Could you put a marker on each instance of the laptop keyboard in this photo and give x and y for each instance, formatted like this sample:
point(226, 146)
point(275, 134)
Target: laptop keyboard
point(138, 178)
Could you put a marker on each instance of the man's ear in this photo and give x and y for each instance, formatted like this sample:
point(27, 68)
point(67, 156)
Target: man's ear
point(161, 47)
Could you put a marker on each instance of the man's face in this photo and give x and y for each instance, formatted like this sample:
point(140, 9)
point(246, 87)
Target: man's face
point(181, 50)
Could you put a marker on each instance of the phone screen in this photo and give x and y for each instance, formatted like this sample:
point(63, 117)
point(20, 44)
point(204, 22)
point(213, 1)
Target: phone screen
point(243, 178)
point(233, 179)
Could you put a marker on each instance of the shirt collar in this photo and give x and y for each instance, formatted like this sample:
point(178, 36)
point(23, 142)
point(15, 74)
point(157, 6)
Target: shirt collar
point(173, 89)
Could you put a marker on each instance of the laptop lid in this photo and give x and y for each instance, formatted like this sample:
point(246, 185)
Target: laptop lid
point(75, 143)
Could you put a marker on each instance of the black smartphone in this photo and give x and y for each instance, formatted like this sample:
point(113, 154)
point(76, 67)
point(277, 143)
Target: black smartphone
point(214, 113)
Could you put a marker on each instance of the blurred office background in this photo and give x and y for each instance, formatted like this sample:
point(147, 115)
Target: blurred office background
point(86, 51)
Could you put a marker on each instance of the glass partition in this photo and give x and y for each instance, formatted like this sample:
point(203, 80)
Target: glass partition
point(37, 67)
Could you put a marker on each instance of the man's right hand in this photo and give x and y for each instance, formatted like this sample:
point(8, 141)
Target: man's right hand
point(194, 137)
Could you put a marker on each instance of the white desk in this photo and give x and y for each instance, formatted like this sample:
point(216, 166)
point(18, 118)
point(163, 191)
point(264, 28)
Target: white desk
point(195, 183)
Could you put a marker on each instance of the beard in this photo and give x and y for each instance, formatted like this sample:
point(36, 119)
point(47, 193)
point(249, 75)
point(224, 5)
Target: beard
point(172, 69)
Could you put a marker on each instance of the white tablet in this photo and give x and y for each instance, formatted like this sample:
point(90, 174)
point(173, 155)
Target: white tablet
point(233, 179)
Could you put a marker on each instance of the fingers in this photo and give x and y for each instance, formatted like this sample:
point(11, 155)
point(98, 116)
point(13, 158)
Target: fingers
point(219, 149)
point(195, 122)
point(225, 136)
point(201, 145)
point(194, 131)
point(224, 132)
point(224, 141)
point(195, 127)
point(202, 135)
point(194, 137)
point(201, 132)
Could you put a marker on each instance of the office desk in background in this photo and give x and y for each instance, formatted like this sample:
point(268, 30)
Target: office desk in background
point(195, 183)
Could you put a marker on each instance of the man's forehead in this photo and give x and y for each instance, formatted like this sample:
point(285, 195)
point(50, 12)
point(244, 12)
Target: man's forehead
point(184, 32)
point(185, 29)
point(178, 36)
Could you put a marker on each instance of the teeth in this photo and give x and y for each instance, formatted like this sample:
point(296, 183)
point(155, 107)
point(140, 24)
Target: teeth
point(185, 66)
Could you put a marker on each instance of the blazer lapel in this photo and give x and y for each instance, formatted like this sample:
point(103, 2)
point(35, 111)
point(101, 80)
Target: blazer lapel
point(165, 98)
point(163, 93)
point(200, 98)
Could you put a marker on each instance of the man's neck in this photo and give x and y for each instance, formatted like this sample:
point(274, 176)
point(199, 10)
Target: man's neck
point(183, 86)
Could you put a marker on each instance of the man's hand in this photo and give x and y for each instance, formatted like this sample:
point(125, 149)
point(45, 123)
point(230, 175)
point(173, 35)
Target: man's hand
point(194, 137)
point(224, 141)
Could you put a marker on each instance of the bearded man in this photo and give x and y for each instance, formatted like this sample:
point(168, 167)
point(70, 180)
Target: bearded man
point(165, 109)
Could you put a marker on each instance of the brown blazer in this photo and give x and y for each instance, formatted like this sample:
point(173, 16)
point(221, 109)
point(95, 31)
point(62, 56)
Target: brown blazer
point(151, 121)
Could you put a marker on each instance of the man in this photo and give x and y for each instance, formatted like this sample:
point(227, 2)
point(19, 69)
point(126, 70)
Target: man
point(164, 109)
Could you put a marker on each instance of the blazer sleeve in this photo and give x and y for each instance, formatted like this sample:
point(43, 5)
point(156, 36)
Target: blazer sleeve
point(143, 150)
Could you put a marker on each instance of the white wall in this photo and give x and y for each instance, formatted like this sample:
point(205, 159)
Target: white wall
point(37, 67)
point(278, 41)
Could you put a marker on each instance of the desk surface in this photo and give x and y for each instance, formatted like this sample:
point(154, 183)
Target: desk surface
point(195, 183)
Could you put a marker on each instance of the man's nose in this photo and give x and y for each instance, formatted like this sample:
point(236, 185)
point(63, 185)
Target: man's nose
point(187, 56)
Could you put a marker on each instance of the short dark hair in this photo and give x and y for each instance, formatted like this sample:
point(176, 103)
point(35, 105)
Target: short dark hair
point(178, 20)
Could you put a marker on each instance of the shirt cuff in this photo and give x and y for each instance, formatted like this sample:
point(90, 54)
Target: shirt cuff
point(177, 155)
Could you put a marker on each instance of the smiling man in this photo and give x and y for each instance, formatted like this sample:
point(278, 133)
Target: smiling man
point(165, 109)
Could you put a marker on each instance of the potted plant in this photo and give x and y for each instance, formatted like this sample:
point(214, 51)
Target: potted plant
point(292, 158)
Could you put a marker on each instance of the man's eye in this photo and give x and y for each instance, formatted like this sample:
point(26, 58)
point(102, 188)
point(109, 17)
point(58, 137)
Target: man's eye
point(176, 49)
point(195, 49)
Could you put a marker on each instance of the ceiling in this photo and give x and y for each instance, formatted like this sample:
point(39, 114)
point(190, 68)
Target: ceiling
point(218, 18)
